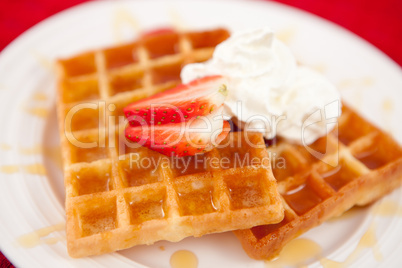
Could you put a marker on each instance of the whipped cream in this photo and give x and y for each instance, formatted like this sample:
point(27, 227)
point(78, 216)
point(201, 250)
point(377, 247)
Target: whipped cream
point(267, 91)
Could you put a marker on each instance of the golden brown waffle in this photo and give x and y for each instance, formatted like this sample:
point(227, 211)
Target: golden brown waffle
point(314, 189)
point(119, 195)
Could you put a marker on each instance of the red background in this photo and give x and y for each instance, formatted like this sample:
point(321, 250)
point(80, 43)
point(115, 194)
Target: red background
point(377, 21)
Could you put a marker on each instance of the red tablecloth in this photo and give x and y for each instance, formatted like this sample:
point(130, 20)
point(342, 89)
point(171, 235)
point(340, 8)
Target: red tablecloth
point(377, 21)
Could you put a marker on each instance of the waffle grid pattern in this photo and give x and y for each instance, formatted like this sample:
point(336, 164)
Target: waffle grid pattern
point(96, 86)
point(369, 166)
point(119, 195)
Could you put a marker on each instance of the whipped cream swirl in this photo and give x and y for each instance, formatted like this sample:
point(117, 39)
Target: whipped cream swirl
point(267, 91)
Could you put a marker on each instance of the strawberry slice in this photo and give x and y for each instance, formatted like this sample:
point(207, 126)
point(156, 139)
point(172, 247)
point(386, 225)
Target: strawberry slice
point(199, 135)
point(197, 98)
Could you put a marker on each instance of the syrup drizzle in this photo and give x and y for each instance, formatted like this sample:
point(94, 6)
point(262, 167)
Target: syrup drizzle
point(296, 252)
point(387, 111)
point(176, 20)
point(388, 106)
point(34, 169)
point(387, 209)
point(183, 259)
point(347, 214)
point(38, 96)
point(35, 98)
point(2, 86)
point(9, 169)
point(37, 237)
point(53, 153)
point(125, 25)
point(356, 83)
point(37, 149)
point(319, 67)
point(286, 35)
point(300, 250)
point(327, 263)
point(368, 240)
point(37, 111)
point(44, 61)
point(5, 147)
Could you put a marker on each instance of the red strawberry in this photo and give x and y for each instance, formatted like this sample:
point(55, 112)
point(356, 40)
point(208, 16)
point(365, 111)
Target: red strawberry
point(197, 98)
point(181, 139)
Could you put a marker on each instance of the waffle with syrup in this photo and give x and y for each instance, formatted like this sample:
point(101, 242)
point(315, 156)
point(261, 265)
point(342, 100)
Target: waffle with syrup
point(119, 194)
point(354, 165)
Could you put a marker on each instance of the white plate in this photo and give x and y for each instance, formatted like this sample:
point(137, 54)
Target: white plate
point(31, 187)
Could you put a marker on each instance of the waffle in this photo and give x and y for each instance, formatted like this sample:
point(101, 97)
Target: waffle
point(119, 194)
point(315, 189)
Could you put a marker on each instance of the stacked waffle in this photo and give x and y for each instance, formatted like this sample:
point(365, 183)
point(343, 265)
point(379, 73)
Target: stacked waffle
point(115, 200)
point(356, 164)
point(119, 194)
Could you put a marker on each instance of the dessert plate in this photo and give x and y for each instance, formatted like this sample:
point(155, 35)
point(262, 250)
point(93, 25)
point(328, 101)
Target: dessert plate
point(31, 182)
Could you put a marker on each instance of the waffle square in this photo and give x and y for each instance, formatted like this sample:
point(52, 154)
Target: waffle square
point(119, 194)
point(355, 164)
